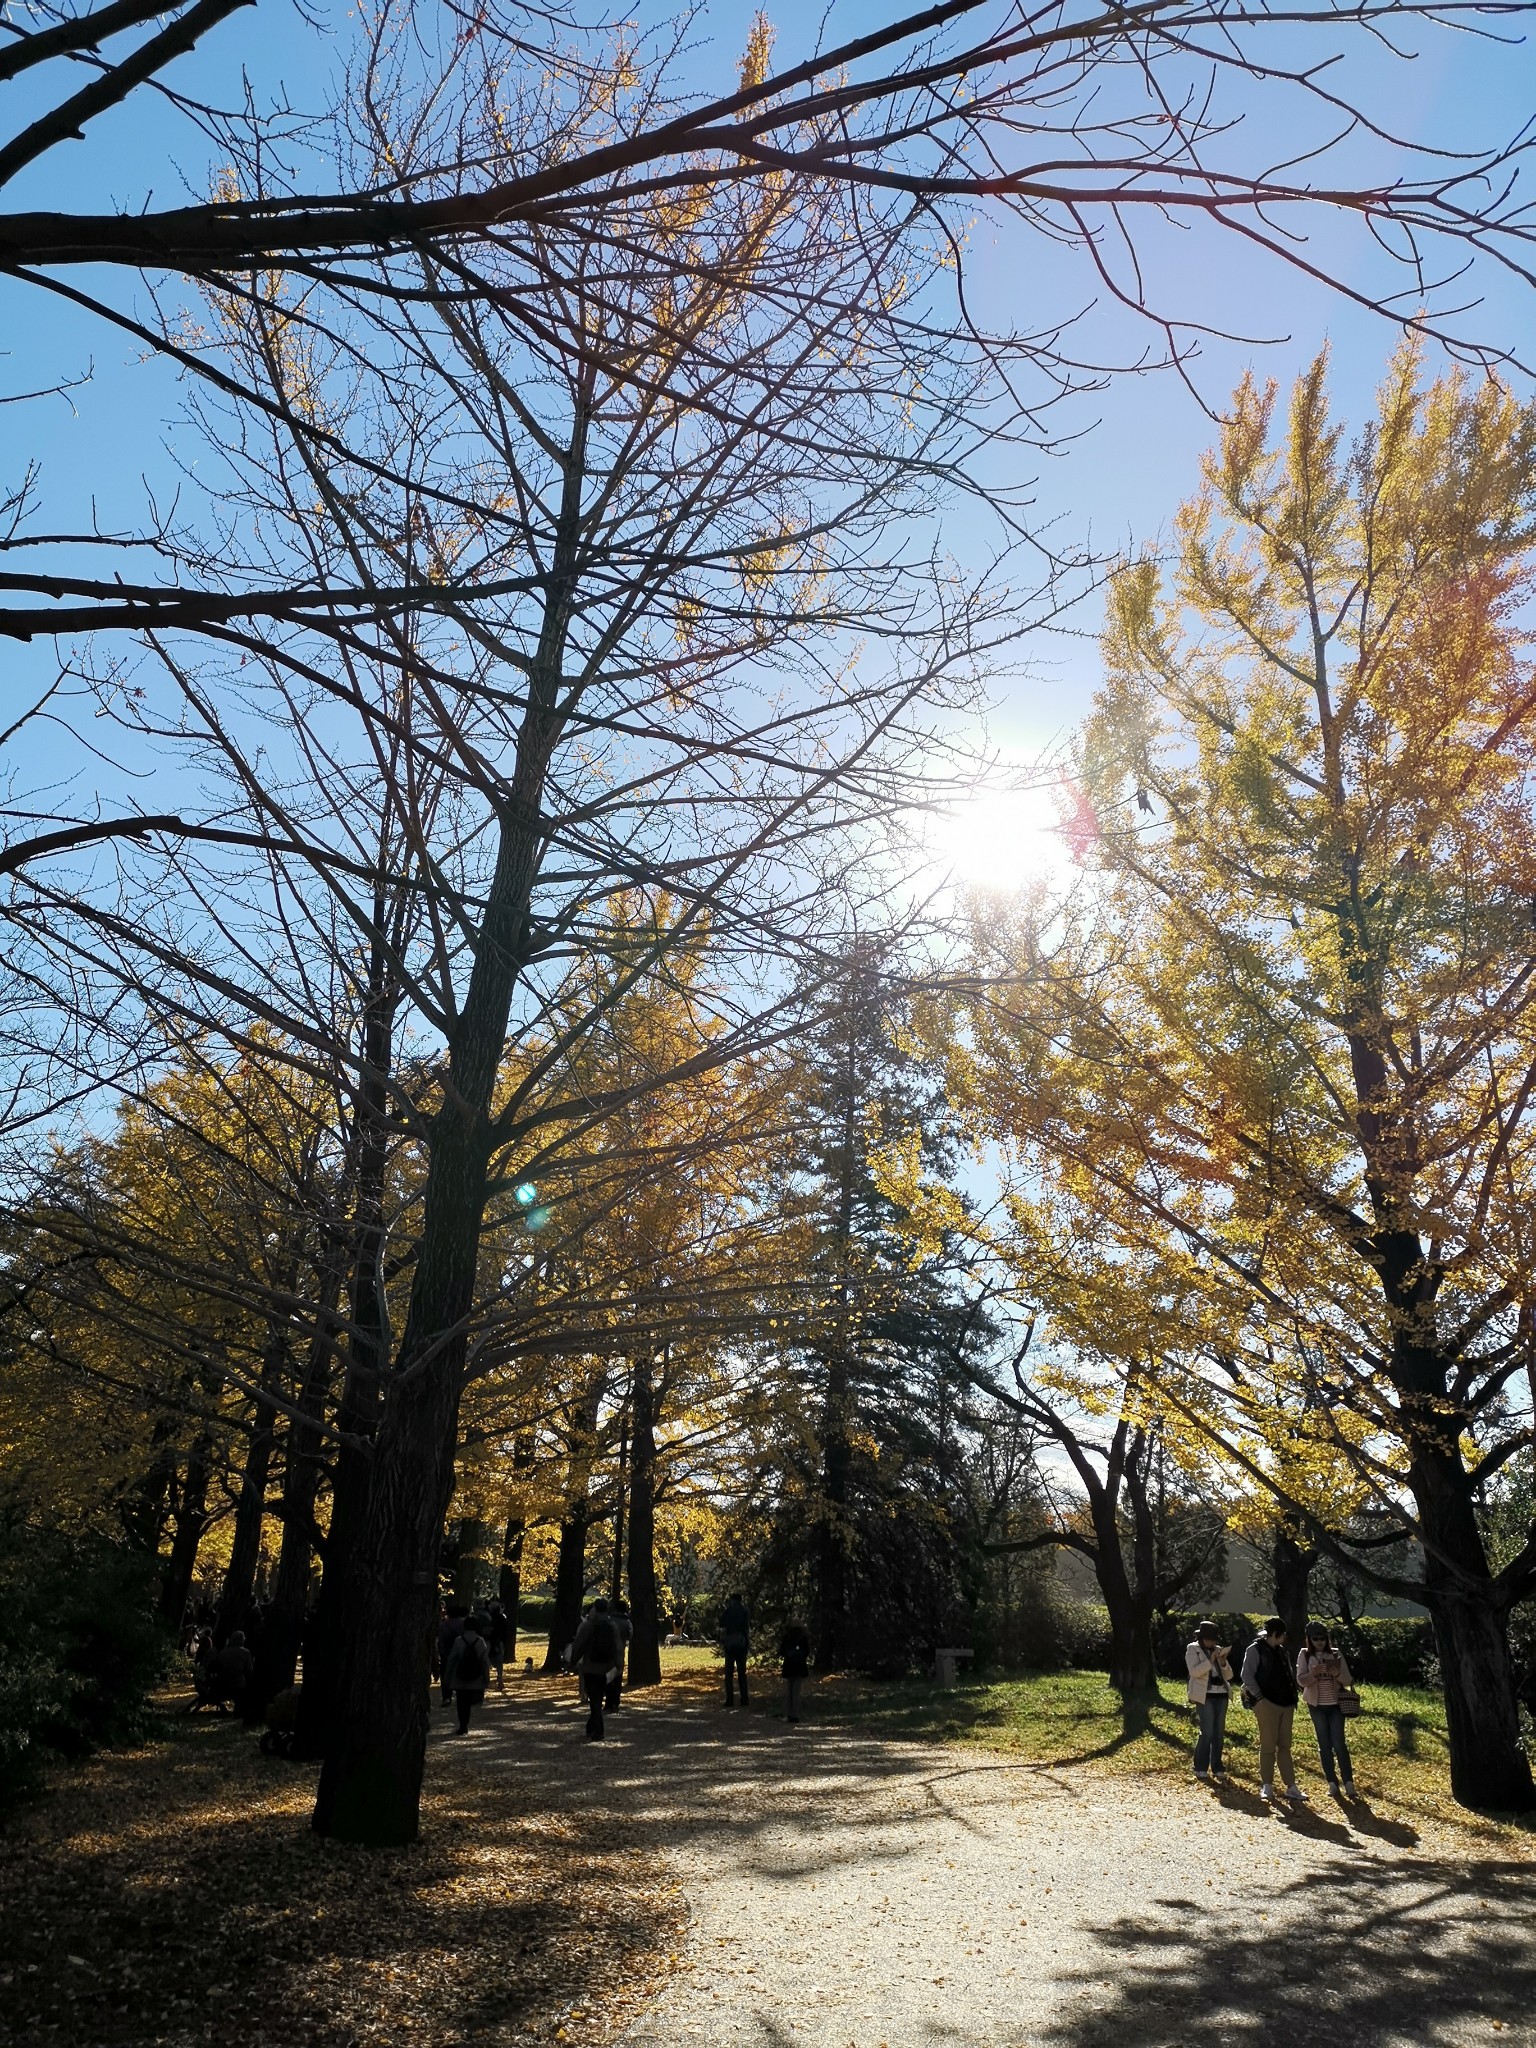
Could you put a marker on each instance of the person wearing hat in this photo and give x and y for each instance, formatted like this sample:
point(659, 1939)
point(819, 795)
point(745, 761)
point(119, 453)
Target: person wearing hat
point(1210, 1694)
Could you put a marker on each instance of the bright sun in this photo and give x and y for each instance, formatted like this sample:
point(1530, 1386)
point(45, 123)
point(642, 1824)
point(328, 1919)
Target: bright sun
point(1005, 839)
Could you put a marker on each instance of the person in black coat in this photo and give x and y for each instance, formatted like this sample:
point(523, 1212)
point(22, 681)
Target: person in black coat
point(795, 1649)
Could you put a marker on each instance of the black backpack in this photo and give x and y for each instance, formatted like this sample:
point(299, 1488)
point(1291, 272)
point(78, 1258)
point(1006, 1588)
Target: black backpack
point(603, 1648)
point(474, 1666)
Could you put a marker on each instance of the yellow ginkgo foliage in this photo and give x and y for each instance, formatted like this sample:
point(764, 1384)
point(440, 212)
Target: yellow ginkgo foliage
point(1264, 1083)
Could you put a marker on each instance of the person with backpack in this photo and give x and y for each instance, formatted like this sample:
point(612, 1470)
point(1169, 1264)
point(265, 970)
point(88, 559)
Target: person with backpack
point(595, 1653)
point(1210, 1694)
point(795, 1649)
point(1324, 1678)
point(626, 1629)
point(1269, 1688)
point(735, 1640)
point(467, 1672)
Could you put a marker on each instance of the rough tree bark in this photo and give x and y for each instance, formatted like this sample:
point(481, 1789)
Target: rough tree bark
point(1292, 1565)
point(644, 1604)
point(191, 1518)
point(237, 1596)
point(570, 1585)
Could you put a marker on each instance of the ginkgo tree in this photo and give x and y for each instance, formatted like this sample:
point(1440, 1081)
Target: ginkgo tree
point(1272, 1064)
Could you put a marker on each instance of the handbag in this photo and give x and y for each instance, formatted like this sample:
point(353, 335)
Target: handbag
point(1349, 1703)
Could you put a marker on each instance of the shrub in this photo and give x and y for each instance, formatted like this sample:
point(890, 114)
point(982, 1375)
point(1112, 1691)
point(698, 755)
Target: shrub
point(80, 1648)
point(1390, 1651)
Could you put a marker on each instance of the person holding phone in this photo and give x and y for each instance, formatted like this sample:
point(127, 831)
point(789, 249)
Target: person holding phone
point(1322, 1675)
point(1210, 1694)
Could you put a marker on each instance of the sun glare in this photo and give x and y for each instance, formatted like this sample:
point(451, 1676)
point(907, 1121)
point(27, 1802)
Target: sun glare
point(1005, 839)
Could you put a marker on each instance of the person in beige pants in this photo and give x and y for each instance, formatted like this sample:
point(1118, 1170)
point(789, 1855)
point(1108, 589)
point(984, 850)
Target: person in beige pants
point(1269, 1687)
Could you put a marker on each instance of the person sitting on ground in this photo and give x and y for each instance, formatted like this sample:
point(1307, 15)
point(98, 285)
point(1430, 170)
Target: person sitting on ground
point(595, 1653)
point(1269, 1687)
point(1323, 1677)
point(795, 1649)
point(1210, 1693)
point(735, 1640)
point(467, 1672)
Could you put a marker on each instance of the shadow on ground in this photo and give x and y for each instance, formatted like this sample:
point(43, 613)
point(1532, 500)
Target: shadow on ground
point(1383, 1949)
point(1416, 1951)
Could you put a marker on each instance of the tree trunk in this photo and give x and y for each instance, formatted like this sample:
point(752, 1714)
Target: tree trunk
point(829, 1604)
point(238, 1594)
point(570, 1585)
point(282, 1639)
point(644, 1605)
point(1488, 1766)
point(509, 1583)
point(362, 1392)
point(370, 1783)
point(509, 1580)
point(1293, 1583)
point(191, 1518)
point(473, 1537)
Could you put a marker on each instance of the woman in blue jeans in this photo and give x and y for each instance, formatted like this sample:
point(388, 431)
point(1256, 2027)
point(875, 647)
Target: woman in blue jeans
point(1210, 1691)
point(1322, 1675)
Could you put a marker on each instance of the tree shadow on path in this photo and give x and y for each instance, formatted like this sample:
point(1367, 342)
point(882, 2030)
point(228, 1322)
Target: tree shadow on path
point(1389, 1953)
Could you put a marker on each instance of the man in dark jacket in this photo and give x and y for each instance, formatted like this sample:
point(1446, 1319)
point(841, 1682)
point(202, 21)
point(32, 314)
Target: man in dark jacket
point(448, 1631)
point(735, 1640)
point(468, 1670)
point(1269, 1687)
point(626, 1629)
point(595, 1654)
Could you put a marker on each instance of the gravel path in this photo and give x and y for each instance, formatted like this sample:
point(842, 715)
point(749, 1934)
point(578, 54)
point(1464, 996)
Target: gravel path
point(847, 1892)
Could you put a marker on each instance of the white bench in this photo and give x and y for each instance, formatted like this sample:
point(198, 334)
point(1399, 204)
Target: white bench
point(946, 1664)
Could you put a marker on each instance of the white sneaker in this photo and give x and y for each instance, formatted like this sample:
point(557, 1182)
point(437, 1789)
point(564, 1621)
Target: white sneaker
point(1266, 1793)
point(1296, 1796)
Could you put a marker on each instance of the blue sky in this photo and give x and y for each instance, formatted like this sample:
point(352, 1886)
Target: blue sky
point(1115, 484)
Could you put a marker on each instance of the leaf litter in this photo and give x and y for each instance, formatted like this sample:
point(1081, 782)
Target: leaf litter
point(174, 1896)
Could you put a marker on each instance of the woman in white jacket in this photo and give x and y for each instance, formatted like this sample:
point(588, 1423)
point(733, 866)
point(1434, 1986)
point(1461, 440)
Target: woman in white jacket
point(1210, 1691)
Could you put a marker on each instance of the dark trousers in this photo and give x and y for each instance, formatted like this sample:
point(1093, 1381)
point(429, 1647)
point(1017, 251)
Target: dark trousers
point(793, 1680)
point(1212, 1714)
point(594, 1686)
point(466, 1702)
point(735, 1662)
point(1331, 1744)
point(611, 1692)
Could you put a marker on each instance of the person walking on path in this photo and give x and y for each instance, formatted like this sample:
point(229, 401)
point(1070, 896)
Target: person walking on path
point(1269, 1687)
point(795, 1649)
point(1323, 1677)
point(1210, 1694)
point(468, 1670)
point(595, 1652)
point(626, 1629)
point(735, 1640)
point(448, 1631)
point(496, 1634)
